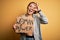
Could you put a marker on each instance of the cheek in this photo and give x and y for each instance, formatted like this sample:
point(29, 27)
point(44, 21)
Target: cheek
point(29, 8)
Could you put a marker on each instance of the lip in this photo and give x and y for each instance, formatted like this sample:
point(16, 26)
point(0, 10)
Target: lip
point(31, 10)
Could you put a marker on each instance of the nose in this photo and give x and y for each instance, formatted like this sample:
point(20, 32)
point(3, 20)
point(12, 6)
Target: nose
point(31, 8)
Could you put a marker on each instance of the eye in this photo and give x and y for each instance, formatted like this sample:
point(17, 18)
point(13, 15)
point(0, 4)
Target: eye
point(30, 6)
point(35, 7)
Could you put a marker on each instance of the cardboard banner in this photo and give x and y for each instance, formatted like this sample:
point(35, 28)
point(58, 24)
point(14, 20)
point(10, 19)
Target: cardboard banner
point(24, 26)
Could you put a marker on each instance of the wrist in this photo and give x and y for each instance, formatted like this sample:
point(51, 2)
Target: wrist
point(39, 11)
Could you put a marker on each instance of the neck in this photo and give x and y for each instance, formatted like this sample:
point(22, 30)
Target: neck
point(30, 15)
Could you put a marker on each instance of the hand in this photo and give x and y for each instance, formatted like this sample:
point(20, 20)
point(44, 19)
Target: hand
point(37, 10)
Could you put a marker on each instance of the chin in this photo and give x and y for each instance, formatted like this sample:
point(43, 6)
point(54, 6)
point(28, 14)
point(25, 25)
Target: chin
point(30, 13)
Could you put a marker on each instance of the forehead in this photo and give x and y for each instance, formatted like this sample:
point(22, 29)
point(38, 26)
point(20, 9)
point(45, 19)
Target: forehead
point(33, 4)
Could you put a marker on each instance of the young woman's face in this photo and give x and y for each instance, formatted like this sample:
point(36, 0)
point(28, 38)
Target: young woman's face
point(32, 8)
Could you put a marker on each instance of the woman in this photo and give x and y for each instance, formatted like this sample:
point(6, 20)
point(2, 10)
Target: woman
point(32, 11)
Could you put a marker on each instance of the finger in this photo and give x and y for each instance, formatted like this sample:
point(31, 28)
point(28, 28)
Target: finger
point(37, 4)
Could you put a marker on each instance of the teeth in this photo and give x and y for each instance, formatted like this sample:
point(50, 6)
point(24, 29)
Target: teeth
point(31, 10)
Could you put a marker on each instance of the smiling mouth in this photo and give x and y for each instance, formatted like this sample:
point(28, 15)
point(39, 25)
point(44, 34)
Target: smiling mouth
point(31, 10)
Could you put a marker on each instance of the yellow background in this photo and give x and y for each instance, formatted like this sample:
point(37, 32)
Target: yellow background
point(10, 9)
